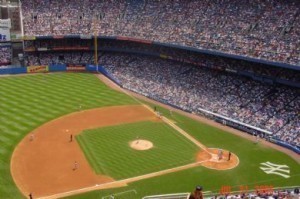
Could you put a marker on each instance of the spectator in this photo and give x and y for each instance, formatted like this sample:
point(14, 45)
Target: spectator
point(197, 89)
point(261, 29)
point(5, 55)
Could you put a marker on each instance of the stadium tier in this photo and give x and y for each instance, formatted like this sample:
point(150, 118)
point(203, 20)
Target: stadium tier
point(262, 29)
point(151, 99)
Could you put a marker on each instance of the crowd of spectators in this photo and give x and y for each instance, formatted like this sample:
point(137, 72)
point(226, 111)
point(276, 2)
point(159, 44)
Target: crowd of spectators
point(275, 194)
point(181, 55)
point(5, 56)
point(59, 58)
point(262, 29)
point(271, 108)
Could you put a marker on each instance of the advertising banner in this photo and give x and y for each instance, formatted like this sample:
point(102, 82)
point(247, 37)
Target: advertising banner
point(16, 36)
point(42, 49)
point(85, 36)
point(37, 69)
point(163, 56)
point(4, 34)
point(134, 39)
point(28, 38)
point(75, 67)
point(58, 37)
point(5, 23)
point(140, 40)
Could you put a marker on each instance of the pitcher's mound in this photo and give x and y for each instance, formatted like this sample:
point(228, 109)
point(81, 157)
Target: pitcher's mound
point(141, 145)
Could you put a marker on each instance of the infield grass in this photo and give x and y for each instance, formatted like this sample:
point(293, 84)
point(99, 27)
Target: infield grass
point(109, 153)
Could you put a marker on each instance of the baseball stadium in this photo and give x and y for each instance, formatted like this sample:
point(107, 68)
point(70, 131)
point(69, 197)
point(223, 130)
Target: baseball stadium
point(149, 99)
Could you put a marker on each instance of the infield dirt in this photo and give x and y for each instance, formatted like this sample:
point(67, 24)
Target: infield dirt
point(43, 164)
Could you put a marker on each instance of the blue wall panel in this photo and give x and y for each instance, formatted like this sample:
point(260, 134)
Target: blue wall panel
point(57, 67)
point(7, 71)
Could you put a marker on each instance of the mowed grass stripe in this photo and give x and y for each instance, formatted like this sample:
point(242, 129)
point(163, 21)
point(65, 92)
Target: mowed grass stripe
point(90, 155)
point(247, 173)
point(109, 153)
point(26, 102)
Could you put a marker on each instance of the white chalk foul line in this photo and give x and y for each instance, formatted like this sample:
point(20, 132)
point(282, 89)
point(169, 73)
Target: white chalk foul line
point(120, 193)
point(125, 181)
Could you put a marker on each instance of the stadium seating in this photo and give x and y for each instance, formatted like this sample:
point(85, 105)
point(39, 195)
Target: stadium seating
point(274, 109)
point(191, 88)
point(261, 29)
point(289, 193)
point(5, 56)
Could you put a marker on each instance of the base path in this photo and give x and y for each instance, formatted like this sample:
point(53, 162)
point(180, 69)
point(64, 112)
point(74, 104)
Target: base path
point(43, 163)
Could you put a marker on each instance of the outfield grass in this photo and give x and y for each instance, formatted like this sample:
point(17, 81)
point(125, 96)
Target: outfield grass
point(109, 153)
point(26, 102)
point(247, 173)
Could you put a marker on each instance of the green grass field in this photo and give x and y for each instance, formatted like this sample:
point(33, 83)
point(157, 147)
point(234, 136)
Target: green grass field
point(26, 102)
point(247, 173)
point(109, 153)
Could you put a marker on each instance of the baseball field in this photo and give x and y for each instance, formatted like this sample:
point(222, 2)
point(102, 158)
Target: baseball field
point(70, 135)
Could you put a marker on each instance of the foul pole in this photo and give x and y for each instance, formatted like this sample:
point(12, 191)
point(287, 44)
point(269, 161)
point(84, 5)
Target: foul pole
point(95, 43)
point(96, 49)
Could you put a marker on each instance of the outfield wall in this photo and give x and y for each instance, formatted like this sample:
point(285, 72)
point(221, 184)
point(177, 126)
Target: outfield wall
point(47, 68)
point(12, 71)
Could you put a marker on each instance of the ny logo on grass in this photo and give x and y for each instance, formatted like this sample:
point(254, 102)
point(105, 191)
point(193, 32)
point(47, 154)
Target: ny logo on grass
point(271, 168)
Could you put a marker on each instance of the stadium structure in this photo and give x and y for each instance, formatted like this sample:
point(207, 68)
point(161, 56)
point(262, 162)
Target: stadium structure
point(152, 99)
